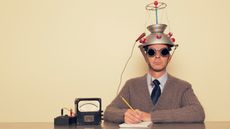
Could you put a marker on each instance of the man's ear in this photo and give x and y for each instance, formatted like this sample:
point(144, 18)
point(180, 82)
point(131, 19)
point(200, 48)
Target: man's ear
point(146, 59)
point(144, 55)
point(170, 57)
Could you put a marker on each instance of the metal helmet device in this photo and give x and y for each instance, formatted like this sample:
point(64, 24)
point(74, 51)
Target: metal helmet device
point(157, 34)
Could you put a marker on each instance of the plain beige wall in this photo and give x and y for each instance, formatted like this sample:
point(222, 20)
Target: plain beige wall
point(53, 51)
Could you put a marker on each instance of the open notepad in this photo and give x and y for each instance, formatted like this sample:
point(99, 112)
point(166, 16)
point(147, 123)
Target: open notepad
point(139, 125)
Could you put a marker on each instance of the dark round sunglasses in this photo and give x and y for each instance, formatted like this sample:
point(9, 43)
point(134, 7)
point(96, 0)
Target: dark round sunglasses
point(152, 52)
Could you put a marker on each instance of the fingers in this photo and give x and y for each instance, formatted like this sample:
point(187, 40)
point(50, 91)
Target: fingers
point(136, 116)
point(132, 117)
point(139, 112)
point(144, 115)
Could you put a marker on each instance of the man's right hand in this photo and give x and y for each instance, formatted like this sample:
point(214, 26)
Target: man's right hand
point(132, 117)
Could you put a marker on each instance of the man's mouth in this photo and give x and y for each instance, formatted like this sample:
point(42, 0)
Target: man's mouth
point(157, 63)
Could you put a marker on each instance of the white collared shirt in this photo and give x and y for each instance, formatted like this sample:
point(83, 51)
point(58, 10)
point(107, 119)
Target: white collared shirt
point(161, 79)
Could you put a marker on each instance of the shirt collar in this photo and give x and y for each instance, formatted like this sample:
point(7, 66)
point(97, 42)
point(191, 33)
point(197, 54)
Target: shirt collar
point(161, 79)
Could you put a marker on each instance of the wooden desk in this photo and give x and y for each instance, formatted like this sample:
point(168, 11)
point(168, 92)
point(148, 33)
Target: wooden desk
point(106, 125)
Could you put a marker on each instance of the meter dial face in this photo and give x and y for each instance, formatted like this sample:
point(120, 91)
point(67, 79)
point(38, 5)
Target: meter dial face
point(88, 106)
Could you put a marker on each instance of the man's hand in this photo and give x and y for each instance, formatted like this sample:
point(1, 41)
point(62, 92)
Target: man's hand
point(136, 116)
point(132, 117)
point(144, 115)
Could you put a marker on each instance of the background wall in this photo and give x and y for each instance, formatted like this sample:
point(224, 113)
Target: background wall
point(53, 51)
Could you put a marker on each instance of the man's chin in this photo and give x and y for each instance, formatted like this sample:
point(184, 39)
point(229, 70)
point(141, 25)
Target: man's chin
point(157, 69)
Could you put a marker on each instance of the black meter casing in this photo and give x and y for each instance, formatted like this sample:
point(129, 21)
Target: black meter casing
point(88, 117)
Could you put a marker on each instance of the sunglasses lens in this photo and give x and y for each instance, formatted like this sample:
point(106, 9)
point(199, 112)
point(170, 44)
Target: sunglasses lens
point(151, 52)
point(164, 52)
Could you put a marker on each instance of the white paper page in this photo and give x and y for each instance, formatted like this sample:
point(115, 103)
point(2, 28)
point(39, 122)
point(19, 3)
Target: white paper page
point(139, 125)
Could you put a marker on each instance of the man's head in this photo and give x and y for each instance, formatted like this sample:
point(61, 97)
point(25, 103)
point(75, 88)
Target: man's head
point(157, 57)
point(156, 47)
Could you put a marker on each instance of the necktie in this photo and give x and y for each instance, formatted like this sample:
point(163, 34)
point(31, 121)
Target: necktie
point(156, 91)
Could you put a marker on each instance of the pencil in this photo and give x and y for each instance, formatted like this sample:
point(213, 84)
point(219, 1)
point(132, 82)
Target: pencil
point(127, 103)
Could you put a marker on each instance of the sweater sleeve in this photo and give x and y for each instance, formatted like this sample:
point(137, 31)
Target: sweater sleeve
point(190, 110)
point(115, 111)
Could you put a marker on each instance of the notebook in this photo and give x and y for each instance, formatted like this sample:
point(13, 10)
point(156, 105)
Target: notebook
point(139, 125)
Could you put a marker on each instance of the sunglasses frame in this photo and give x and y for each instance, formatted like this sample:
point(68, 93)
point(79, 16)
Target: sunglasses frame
point(155, 51)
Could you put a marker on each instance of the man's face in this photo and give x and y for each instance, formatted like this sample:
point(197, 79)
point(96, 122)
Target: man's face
point(158, 58)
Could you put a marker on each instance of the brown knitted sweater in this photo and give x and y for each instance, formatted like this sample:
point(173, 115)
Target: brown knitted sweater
point(177, 103)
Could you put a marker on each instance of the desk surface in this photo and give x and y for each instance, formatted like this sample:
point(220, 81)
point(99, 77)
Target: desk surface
point(106, 125)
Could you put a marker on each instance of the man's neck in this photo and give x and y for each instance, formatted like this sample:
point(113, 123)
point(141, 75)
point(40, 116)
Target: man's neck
point(156, 74)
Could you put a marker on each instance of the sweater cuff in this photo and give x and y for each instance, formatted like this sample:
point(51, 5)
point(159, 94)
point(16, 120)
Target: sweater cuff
point(161, 116)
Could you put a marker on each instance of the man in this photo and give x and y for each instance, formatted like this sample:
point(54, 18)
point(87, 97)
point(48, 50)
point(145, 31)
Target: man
point(156, 96)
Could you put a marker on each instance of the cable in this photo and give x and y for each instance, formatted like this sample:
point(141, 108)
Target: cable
point(175, 47)
point(120, 80)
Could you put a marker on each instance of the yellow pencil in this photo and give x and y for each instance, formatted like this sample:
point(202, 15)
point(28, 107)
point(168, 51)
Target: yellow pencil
point(127, 103)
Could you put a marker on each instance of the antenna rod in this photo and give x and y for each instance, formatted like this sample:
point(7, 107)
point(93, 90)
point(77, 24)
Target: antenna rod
point(156, 4)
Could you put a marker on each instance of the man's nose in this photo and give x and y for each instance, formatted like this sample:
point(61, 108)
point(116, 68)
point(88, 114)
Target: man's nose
point(158, 55)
